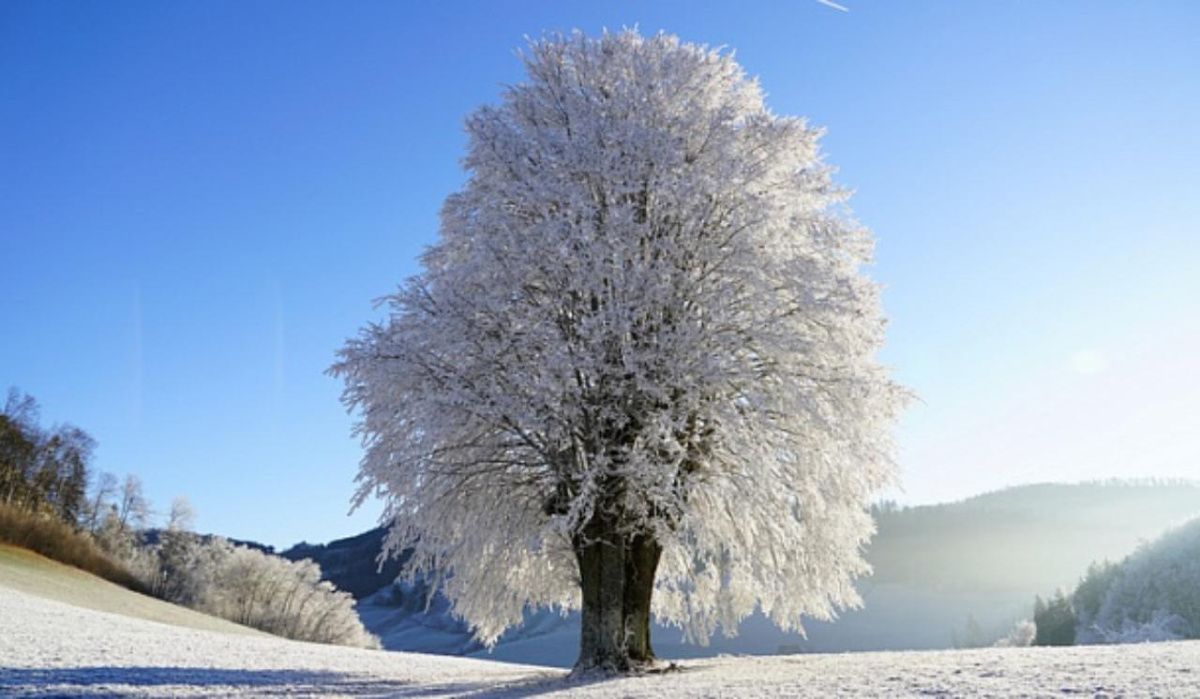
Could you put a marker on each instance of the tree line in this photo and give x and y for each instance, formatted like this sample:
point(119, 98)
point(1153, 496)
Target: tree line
point(1151, 595)
point(42, 470)
point(52, 502)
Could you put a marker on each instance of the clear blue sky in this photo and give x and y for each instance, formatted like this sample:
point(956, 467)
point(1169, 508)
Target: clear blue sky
point(199, 200)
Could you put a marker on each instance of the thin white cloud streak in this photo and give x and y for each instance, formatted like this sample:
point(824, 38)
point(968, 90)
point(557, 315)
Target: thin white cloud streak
point(137, 389)
point(834, 5)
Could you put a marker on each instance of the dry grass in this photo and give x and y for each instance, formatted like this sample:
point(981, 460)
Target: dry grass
point(59, 541)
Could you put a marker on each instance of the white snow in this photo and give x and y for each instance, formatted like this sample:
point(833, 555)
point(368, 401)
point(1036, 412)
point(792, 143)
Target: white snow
point(55, 648)
point(48, 647)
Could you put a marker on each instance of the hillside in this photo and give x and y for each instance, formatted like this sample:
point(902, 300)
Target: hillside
point(25, 572)
point(1034, 537)
point(1151, 595)
point(351, 563)
point(50, 648)
point(950, 574)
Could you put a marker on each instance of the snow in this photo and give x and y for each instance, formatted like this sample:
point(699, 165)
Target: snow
point(646, 319)
point(50, 648)
point(894, 617)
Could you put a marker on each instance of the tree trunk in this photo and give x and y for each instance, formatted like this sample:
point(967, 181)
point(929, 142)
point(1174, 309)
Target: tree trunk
point(641, 563)
point(617, 578)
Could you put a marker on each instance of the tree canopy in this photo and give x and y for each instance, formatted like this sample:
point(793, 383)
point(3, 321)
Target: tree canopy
point(645, 327)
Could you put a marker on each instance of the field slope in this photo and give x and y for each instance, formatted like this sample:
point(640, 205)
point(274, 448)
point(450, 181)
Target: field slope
point(51, 646)
point(28, 572)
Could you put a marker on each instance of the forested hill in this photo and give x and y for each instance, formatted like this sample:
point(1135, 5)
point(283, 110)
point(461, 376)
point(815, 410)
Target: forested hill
point(1034, 537)
point(351, 563)
point(1028, 537)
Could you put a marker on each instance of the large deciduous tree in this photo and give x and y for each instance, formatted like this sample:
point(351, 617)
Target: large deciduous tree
point(636, 373)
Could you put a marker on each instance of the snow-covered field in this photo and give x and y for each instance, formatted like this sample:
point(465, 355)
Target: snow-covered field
point(49, 647)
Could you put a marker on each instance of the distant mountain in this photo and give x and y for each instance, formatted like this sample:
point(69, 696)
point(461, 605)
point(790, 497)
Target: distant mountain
point(951, 574)
point(352, 563)
point(1043, 535)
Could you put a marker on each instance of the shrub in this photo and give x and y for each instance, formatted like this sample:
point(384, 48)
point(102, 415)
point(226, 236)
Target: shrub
point(51, 537)
point(281, 597)
point(254, 589)
point(1022, 634)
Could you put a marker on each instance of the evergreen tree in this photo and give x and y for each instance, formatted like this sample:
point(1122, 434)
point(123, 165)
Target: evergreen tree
point(1055, 621)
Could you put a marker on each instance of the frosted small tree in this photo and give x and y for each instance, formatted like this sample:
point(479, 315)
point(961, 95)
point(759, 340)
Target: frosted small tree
point(637, 372)
point(133, 510)
point(182, 516)
point(279, 596)
point(177, 555)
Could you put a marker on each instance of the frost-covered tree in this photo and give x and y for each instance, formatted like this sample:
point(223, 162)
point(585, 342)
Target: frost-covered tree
point(1022, 634)
point(182, 516)
point(176, 571)
point(115, 538)
point(637, 371)
point(286, 598)
point(242, 584)
point(1152, 595)
point(133, 509)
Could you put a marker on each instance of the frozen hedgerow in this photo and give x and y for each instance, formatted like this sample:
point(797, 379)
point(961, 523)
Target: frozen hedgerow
point(637, 372)
point(286, 598)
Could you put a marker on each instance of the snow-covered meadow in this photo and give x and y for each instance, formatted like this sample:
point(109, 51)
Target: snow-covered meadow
point(50, 648)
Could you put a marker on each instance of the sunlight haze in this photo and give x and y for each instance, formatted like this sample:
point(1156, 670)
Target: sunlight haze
point(196, 212)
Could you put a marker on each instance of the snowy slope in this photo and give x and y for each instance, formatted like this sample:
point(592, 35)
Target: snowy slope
point(52, 648)
point(28, 572)
point(56, 648)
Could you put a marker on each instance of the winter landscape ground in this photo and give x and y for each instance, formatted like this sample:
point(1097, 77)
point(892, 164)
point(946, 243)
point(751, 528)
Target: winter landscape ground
point(58, 640)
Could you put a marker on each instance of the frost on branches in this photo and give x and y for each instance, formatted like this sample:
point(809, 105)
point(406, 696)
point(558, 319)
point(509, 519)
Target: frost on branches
point(637, 372)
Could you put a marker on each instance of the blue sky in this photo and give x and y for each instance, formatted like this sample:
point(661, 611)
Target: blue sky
point(198, 202)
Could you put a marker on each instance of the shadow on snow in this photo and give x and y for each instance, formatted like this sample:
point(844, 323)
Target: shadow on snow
point(166, 681)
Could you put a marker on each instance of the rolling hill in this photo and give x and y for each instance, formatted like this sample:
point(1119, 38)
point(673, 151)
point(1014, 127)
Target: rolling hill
point(946, 575)
point(68, 633)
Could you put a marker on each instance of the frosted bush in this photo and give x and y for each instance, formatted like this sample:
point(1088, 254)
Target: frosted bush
point(1021, 635)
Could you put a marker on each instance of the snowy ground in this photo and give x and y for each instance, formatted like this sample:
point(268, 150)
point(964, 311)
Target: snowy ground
point(48, 647)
